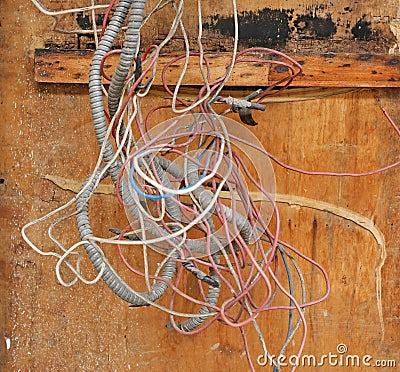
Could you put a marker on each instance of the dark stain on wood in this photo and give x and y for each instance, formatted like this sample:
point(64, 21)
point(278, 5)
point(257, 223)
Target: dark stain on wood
point(329, 55)
point(314, 238)
point(266, 27)
point(100, 19)
point(362, 30)
point(83, 21)
point(41, 63)
point(280, 69)
point(40, 52)
point(311, 26)
point(50, 51)
point(393, 61)
point(364, 57)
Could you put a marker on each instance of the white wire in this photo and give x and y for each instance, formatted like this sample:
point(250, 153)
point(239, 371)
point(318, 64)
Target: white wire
point(187, 189)
point(196, 219)
point(73, 200)
point(48, 12)
point(177, 240)
point(171, 33)
point(76, 272)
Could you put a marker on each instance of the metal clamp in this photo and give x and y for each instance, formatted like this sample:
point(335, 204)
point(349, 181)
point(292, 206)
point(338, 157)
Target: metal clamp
point(244, 107)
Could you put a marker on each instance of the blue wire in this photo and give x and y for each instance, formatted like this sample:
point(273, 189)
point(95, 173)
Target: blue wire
point(289, 275)
point(290, 291)
point(155, 197)
point(208, 162)
point(141, 193)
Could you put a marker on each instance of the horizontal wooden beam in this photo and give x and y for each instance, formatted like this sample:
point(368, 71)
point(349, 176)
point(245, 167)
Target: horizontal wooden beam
point(320, 70)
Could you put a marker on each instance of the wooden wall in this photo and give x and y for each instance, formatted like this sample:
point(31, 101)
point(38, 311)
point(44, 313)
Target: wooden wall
point(46, 129)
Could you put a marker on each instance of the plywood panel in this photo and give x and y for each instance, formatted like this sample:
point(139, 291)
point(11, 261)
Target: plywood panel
point(46, 129)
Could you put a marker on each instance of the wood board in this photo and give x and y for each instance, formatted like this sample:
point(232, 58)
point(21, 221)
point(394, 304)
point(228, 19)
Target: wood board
point(319, 70)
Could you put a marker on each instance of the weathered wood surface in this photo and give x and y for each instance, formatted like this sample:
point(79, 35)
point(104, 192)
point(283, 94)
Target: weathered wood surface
point(342, 26)
point(320, 70)
point(46, 129)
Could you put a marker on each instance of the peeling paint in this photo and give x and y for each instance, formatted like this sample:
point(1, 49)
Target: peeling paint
point(8, 342)
point(395, 28)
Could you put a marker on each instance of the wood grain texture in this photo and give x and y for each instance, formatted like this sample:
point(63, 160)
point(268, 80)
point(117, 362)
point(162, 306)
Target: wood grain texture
point(320, 70)
point(46, 129)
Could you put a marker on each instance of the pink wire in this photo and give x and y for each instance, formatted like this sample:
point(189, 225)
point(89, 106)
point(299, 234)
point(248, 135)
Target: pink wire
point(264, 274)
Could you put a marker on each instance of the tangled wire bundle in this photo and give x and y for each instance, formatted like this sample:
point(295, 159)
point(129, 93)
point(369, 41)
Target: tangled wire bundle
point(187, 187)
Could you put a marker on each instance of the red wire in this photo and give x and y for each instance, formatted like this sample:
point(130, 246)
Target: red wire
point(105, 20)
point(135, 84)
point(111, 52)
point(263, 273)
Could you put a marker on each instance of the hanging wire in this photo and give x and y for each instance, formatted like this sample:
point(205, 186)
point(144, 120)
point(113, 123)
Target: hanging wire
point(169, 178)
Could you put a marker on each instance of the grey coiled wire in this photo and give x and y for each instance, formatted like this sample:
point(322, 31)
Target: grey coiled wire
point(95, 91)
point(205, 199)
point(111, 278)
point(212, 299)
point(213, 292)
point(127, 56)
point(244, 227)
